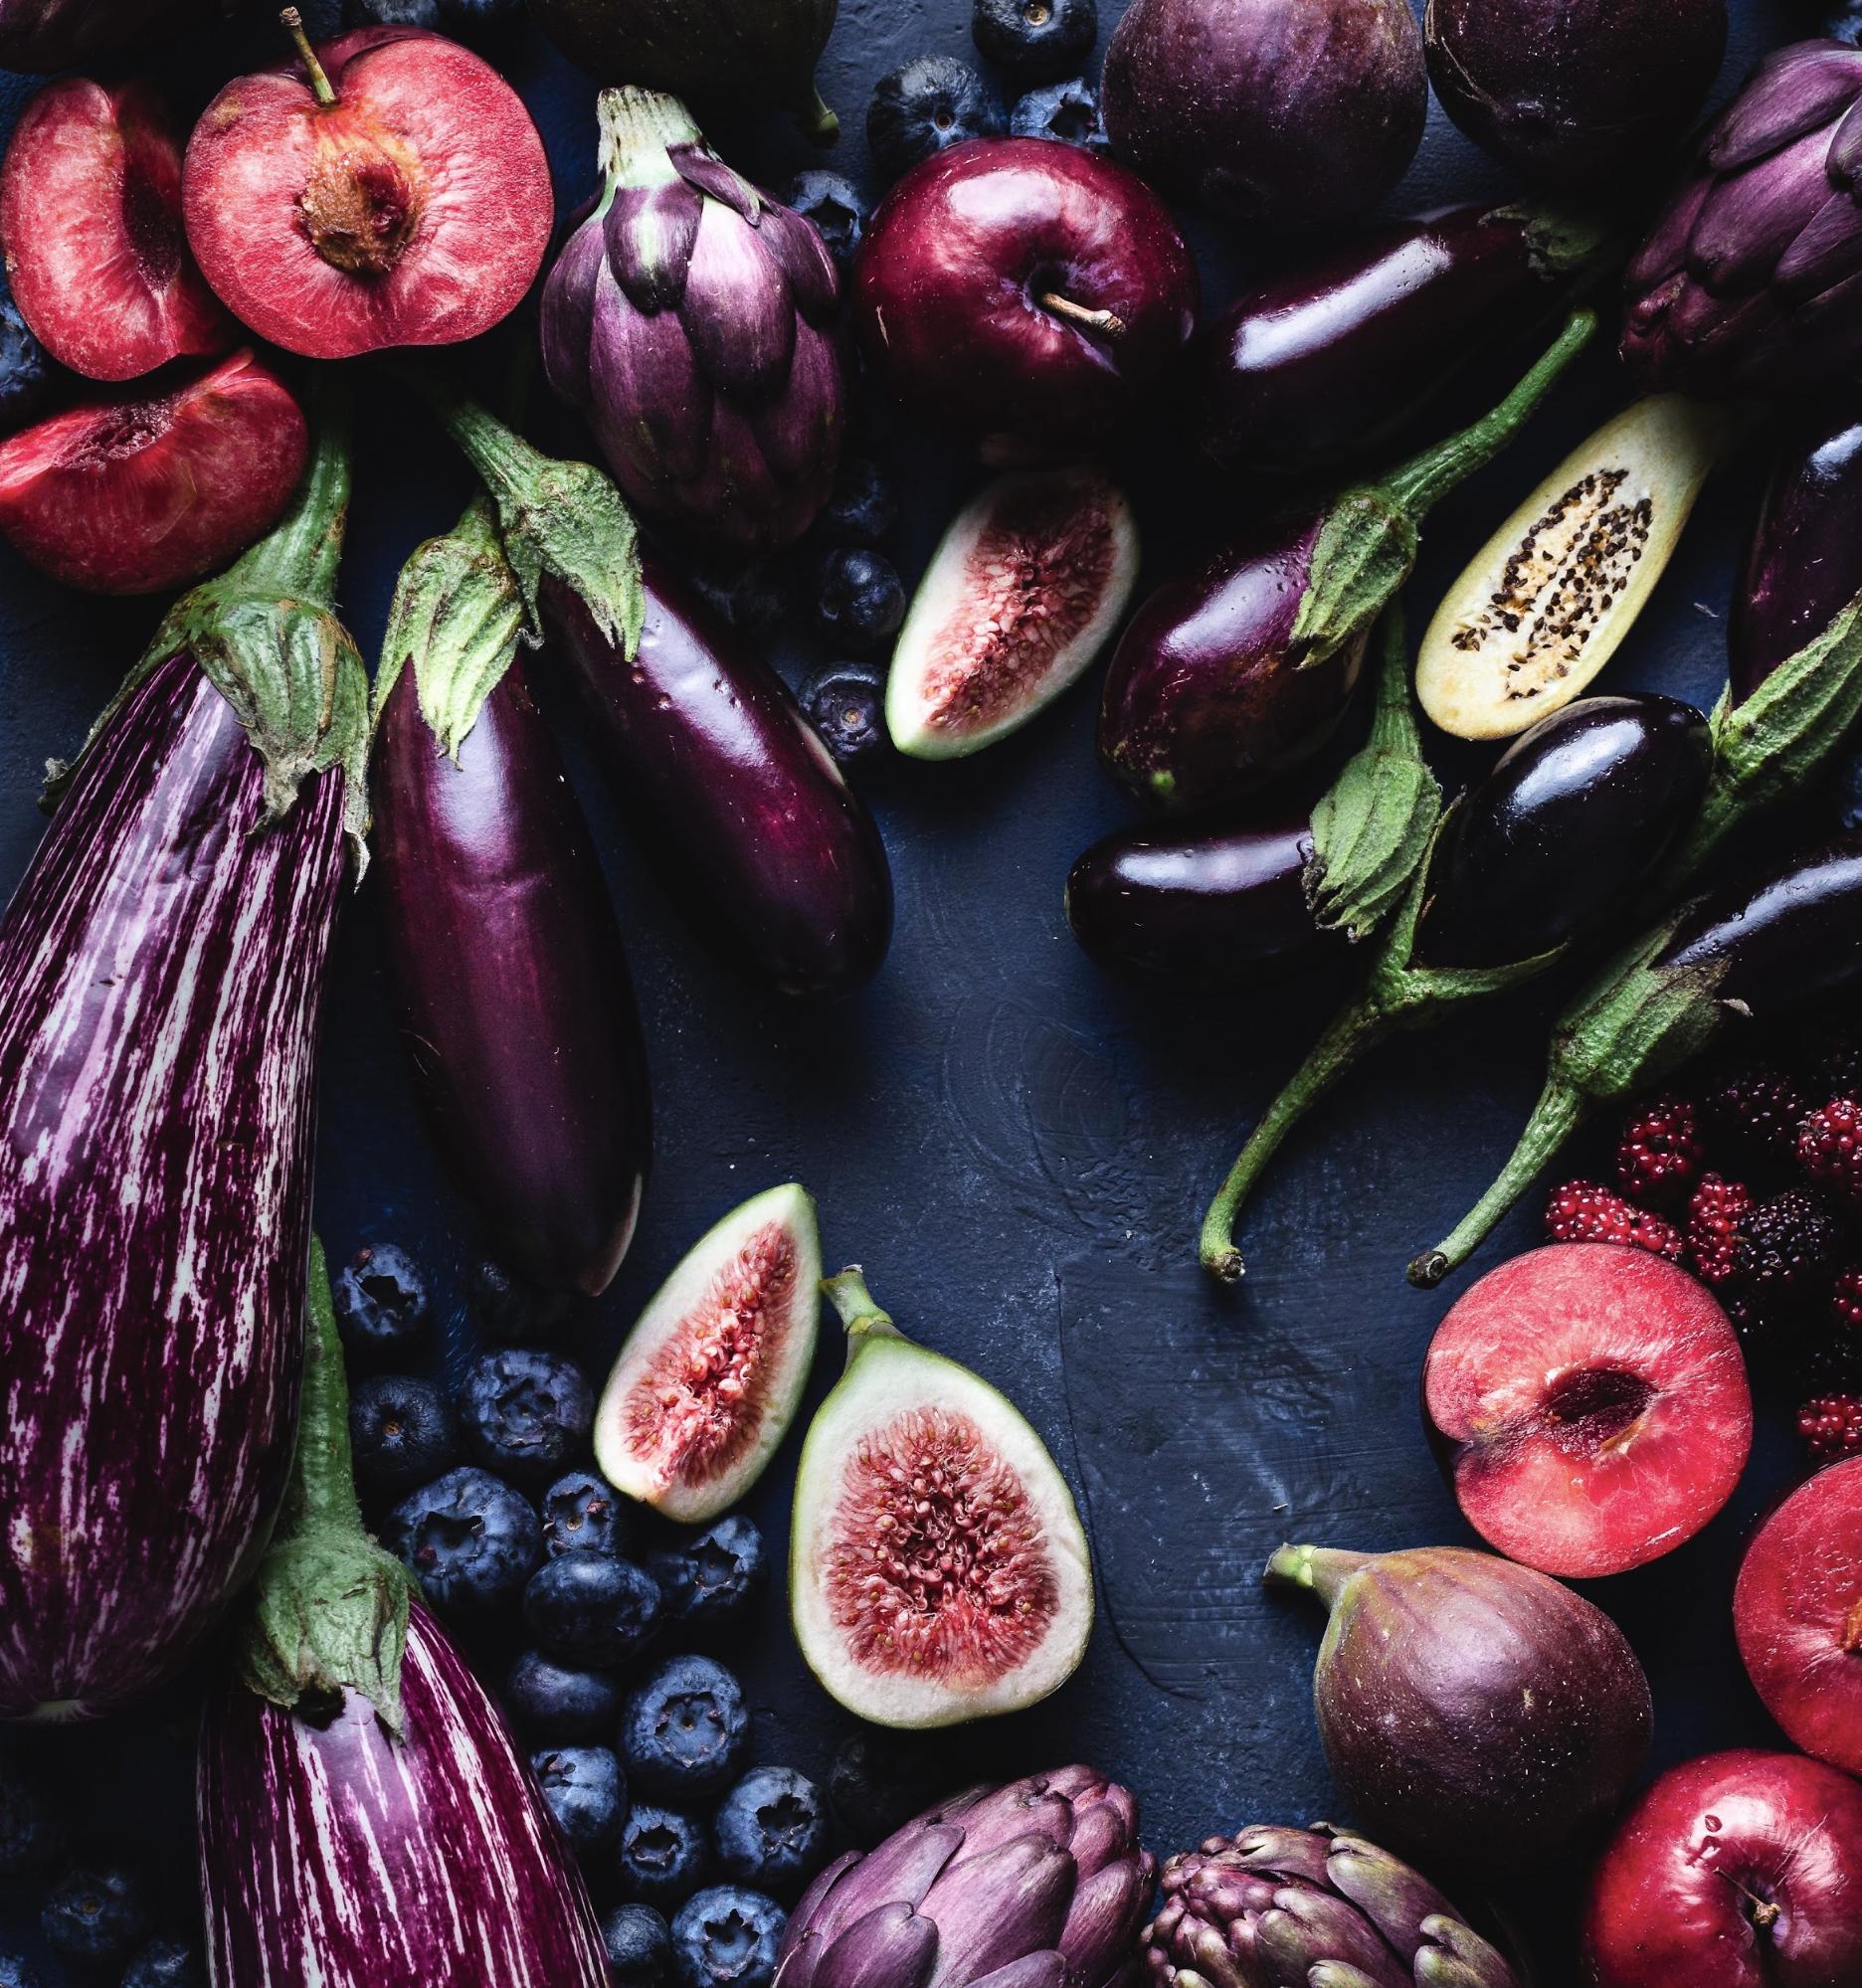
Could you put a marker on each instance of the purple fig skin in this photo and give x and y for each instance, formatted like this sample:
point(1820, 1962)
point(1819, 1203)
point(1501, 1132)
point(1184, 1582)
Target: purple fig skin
point(1325, 363)
point(337, 1854)
point(729, 788)
point(1196, 908)
point(514, 1006)
point(1280, 113)
point(1475, 1713)
point(1575, 95)
point(1202, 701)
point(1804, 563)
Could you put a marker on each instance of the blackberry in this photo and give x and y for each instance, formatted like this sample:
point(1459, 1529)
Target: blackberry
point(1786, 1247)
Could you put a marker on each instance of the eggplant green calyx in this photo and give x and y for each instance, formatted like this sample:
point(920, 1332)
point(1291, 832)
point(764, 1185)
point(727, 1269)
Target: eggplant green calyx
point(266, 637)
point(858, 1310)
point(1567, 241)
point(457, 619)
point(1323, 1571)
point(560, 520)
point(636, 129)
point(1638, 1019)
point(1367, 543)
point(329, 1608)
point(1373, 824)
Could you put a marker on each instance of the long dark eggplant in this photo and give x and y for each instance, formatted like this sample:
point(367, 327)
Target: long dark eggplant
point(514, 1006)
point(1323, 364)
point(161, 982)
point(1227, 679)
point(364, 1816)
point(1573, 820)
point(759, 838)
point(1757, 950)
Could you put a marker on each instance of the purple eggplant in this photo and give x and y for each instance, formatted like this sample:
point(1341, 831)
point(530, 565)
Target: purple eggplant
point(1573, 818)
point(1227, 679)
point(1754, 951)
point(515, 1007)
point(364, 1815)
point(1323, 364)
point(161, 983)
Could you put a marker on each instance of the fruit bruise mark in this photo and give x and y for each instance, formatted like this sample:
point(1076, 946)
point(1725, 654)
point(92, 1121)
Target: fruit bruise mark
point(1032, 582)
point(697, 1408)
point(1560, 580)
point(363, 199)
point(937, 1563)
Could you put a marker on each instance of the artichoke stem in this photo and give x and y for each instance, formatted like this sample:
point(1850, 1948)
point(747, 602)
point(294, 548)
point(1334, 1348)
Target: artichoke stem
point(1323, 1570)
point(1107, 322)
point(320, 85)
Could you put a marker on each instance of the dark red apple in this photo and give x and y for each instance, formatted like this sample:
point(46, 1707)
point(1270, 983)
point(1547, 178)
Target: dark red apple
point(1740, 1870)
point(1591, 1405)
point(90, 216)
point(1023, 290)
point(1797, 1613)
point(389, 189)
point(132, 494)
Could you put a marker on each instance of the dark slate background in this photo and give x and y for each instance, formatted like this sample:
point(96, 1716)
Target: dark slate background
point(1018, 1150)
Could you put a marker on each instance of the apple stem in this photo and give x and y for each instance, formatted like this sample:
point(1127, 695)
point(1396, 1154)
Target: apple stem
point(320, 85)
point(1107, 321)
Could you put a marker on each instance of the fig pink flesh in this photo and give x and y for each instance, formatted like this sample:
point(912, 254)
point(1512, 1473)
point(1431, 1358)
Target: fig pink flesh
point(1596, 1400)
point(1797, 1613)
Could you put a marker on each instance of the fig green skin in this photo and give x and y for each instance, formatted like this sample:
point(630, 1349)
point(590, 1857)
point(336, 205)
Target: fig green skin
point(1202, 700)
point(1473, 1711)
point(1574, 816)
point(43, 35)
point(1575, 95)
point(1275, 112)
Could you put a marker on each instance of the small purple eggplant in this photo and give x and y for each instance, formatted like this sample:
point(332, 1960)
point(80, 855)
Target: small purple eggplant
point(1323, 364)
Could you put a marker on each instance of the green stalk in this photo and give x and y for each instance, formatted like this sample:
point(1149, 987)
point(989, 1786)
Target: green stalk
point(636, 127)
point(328, 1610)
point(859, 1311)
point(1321, 1570)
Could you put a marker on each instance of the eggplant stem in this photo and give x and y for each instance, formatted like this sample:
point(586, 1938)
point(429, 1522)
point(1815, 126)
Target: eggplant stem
point(320, 85)
point(1107, 322)
point(303, 552)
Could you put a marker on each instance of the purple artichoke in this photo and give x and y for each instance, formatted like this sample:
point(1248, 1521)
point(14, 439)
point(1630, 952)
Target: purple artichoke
point(1285, 1907)
point(694, 321)
point(1039, 1885)
point(1751, 281)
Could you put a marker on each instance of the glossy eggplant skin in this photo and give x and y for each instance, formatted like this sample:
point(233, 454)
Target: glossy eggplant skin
point(1321, 365)
point(1804, 563)
point(514, 1003)
point(760, 839)
point(1783, 940)
point(1199, 907)
point(1575, 813)
point(1202, 702)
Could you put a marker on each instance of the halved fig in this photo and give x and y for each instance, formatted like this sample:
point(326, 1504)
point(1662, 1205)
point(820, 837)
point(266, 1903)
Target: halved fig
point(938, 1570)
point(90, 216)
point(1544, 604)
point(133, 495)
point(1024, 591)
point(712, 1373)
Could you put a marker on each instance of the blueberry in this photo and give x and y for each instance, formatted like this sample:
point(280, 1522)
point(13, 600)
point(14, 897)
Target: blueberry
point(835, 208)
point(17, 1972)
point(525, 1412)
point(1069, 111)
point(94, 1917)
point(392, 14)
point(402, 1430)
point(880, 1780)
point(661, 1856)
point(931, 102)
point(28, 376)
point(585, 1514)
point(864, 506)
point(845, 703)
point(726, 1937)
point(591, 1609)
point(771, 1831)
point(469, 1538)
point(716, 1577)
point(29, 1823)
point(684, 1730)
point(858, 598)
point(1035, 41)
point(557, 1703)
point(509, 1308)
point(640, 1948)
point(585, 1792)
point(381, 1303)
point(166, 1963)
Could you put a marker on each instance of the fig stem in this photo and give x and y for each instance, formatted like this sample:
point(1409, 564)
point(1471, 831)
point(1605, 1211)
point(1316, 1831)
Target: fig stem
point(859, 1314)
point(820, 126)
point(1557, 1114)
point(320, 85)
point(1323, 1570)
point(1107, 322)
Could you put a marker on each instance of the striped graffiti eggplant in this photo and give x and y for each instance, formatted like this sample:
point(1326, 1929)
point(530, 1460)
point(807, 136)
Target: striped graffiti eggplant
point(364, 1815)
point(161, 977)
